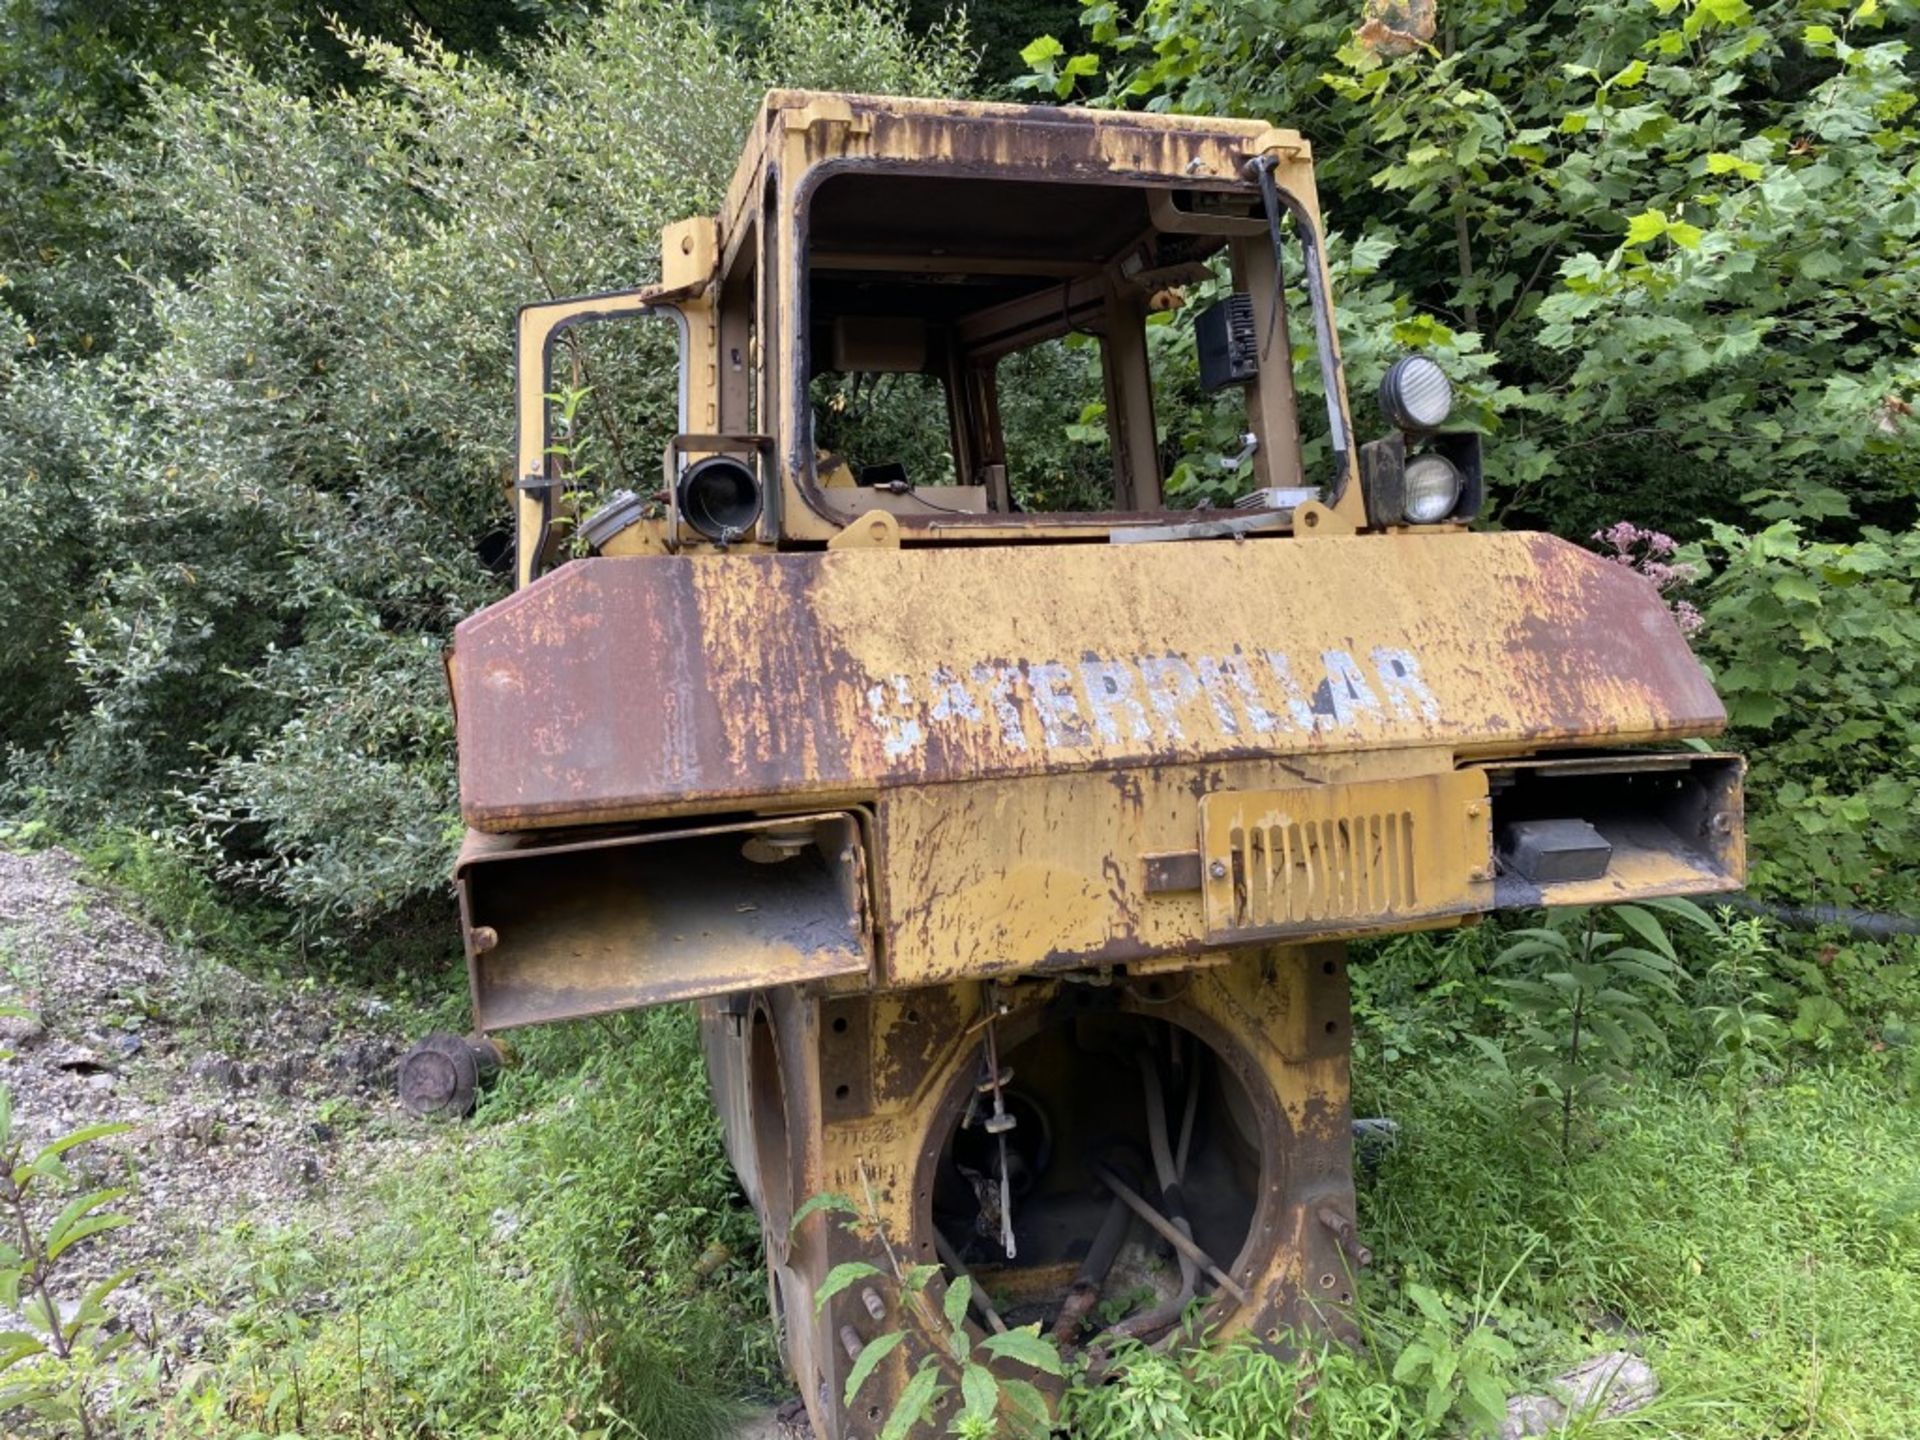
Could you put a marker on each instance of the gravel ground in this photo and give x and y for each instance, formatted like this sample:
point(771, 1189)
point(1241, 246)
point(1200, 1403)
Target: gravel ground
point(243, 1101)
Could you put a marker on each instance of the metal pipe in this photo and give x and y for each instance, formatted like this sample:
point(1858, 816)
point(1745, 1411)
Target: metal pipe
point(1163, 1167)
point(1861, 924)
point(1157, 1142)
point(1168, 1314)
point(1169, 1233)
point(978, 1295)
point(1332, 380)
point(1186, 1124)
point(1084, 1293)
point(1172, 1169)
point(1152, 1322)
point(1358, 1255)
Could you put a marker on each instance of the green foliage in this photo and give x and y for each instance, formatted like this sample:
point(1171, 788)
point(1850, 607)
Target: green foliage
point(72, 73)
point(237, 547)
point(1734, 1006)
point(869, 419)
point(1746, 1205)
point(1584, 1002)
point(1764, 1278)
point(991, 1404)
point(1053, 410)
point(1743, 1038)
point(1720, 1207)
point(181, 900)
point(1316, 1391)
point(1815, 647)
point(1838, 996)
point(1687, 231)
point(1459, 1357)
point(583, 1266)
point(51, 1369)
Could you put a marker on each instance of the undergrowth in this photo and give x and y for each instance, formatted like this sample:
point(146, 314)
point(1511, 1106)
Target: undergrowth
point(405, 957)
point(1771, 1284)
point(582, 1266)
point(1739, 1203)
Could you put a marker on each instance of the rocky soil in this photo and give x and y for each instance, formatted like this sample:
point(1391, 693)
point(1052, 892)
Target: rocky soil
point(242, 1101)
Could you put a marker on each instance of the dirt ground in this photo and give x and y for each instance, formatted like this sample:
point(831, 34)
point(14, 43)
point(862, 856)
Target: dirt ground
point(241, 1102)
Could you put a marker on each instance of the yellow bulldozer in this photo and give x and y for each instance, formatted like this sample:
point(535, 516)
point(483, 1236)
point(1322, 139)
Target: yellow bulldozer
point(1010, 832)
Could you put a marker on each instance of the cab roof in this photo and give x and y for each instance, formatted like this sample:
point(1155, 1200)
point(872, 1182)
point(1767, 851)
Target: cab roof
point(801, 130)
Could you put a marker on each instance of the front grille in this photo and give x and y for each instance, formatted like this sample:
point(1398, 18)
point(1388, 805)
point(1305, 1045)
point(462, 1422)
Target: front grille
point(1288, 872)
point(1329, 858)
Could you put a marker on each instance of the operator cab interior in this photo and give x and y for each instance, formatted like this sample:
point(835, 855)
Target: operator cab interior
point(992, 347)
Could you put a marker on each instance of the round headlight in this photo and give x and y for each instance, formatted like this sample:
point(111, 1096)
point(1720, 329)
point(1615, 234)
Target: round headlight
point(1416, 394)
point(1431, 489)
point(718, 497)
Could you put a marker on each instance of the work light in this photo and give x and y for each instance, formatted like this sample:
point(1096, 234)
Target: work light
point(1432, 489)
point(719, 498)
point(1416, 394)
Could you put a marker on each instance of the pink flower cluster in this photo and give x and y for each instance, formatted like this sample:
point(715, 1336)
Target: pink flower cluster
point(1651, 554)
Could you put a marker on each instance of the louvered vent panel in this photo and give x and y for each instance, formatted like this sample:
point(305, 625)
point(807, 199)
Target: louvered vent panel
point(1331, 858)
point(1289, 871)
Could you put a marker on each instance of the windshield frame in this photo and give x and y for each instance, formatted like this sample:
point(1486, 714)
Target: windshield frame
point(800, 460)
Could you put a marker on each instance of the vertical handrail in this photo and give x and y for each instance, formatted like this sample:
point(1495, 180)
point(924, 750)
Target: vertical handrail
point(1332, 379)
point(536, 327)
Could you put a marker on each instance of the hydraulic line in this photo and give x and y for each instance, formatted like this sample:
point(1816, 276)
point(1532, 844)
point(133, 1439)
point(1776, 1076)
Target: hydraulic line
point(1163, 1168)
point(1084, 1293)
point(1861, 924)
point(1186, 1124)
point(1171, 1167)
point(1170, 1232)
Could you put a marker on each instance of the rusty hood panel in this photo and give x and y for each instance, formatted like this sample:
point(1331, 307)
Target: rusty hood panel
point(620, 687)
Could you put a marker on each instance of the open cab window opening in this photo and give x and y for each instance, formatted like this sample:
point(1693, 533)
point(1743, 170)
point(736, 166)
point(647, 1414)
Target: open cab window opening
point(989, 348)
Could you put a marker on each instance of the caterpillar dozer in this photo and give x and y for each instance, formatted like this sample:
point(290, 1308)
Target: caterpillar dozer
point(1008, 817)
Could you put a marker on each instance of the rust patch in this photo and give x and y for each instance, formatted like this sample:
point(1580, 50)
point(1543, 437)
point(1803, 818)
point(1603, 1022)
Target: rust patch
point(1597, 641)
point(557, 710)
point(625, 687)
point(915, 1043)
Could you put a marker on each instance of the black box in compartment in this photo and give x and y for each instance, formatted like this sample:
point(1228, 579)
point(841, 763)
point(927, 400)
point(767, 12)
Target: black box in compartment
point(1674, 819)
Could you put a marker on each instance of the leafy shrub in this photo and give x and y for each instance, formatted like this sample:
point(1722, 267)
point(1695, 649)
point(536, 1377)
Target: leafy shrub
point(1584, 1006)
point(991, 1404)
point(1815, 647)
point(238, 549)
point(1247, 1391)
point(1685, 228)
point(51, 1369)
